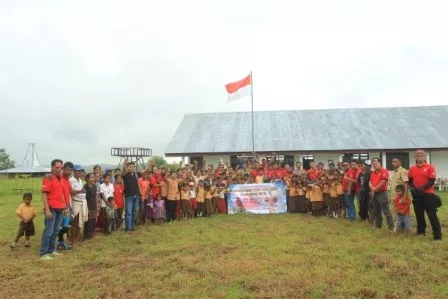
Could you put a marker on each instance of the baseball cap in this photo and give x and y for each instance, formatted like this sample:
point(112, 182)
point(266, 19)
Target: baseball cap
point(368, 162)
point(77, 167)
point(108, 169)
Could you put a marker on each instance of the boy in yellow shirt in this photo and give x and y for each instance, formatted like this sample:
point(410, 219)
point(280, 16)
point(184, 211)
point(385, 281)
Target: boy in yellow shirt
point(26, 213)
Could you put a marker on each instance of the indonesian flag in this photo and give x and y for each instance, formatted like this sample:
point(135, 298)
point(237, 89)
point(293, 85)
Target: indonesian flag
point(239, 89)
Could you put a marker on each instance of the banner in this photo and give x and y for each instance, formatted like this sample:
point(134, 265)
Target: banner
point(257, 198)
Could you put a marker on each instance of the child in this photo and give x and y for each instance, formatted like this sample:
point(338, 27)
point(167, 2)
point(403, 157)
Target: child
point(119, 202)
point(110, 215)
point(208, 202)
point(185, 201)
point(293, 197)
point(222, 206)
point(159, 210)
point(215, 194)
point(26, 213)
point(341, 195)
point(316, 198)
point(403, 204)
point(200, 196)
point(193, 200)
point(334, 207)
point(303, 202)
point(326, 195)
point(63, 233)
point(91, 198)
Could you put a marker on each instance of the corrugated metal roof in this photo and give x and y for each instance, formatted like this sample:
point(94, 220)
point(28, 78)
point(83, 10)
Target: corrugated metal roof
point(313, 130)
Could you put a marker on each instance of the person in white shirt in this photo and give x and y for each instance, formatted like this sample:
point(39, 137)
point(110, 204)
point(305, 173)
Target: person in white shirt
point(79, 204)
point(106, 191)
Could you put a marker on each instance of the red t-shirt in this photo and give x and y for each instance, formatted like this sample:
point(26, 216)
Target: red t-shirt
point(403, 208)
point(67, 190)
point(378, 176)
point(421, 176)
point(53, 186)
point(352, 174)
point(118, 195)
point(276, 173)
point(313, 174)
point(155, 189)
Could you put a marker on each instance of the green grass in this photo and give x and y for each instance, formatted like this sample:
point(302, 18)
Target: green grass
point(289, 256)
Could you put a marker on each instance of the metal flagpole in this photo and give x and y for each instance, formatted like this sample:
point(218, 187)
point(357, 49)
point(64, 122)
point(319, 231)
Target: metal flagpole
point(252, 106)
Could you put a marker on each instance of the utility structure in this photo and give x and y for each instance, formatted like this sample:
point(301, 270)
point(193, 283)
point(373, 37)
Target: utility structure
point(25, 176)
point(132, 154)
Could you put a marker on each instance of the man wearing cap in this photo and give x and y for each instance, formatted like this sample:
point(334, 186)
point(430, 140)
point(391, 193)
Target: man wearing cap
point(380, 199)
point(399, 177)
point(79, 203)
point(422, 177)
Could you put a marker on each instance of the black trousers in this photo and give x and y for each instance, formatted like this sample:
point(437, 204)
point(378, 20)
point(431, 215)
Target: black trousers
point(426, 203)
point(364, 200)
point(171, 210)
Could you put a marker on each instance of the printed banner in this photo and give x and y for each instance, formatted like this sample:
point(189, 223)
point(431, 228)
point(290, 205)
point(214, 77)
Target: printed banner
point(257, 198)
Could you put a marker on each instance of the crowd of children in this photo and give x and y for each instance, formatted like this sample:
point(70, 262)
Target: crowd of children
point(97, 198)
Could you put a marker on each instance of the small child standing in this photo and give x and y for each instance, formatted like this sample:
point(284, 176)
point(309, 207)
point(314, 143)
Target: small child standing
point(159, 210)
point(63, 233)
point(110, 215)
point(200, 196)
point(403, 204)
point(26, 213)
point(185, 201)
point(193, 200)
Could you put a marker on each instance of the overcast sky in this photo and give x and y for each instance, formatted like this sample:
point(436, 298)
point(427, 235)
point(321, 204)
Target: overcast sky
point(78, 77)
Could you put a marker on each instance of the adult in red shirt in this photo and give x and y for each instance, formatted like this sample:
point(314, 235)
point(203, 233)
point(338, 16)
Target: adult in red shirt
point(351, 178)
point(422, 177)
point(256, 170)
point(312, 173)
point(53, 197)
point(276, 172)
point(379, 180)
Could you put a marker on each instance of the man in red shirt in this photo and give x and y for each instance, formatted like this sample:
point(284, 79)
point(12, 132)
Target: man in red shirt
point(276, 172)
point(313, 173)
point(379, 180)
point(351, 177)
point(55, 203)
point(422, 177)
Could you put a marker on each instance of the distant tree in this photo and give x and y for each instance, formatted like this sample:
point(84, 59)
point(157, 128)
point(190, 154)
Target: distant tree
point(159, 161)
point(5, 160)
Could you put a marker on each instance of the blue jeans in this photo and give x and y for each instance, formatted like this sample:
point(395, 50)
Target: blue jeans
point(131, 204)
point(350, 204)
point(404, 223)
point(51, 231)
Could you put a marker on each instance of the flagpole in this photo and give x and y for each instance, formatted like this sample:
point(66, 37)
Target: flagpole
point(252, 108)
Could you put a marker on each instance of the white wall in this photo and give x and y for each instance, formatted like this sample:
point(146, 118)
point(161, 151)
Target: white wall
point(214, 160)
point(324, 157)
point(440, 161)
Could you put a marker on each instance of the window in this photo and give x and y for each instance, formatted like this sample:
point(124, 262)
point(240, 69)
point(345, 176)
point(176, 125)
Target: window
point(237, 160)
point(403, 156)
point(307, 159)
point(348, 157)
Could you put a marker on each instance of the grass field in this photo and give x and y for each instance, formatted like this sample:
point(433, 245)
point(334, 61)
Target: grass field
point(272, 256)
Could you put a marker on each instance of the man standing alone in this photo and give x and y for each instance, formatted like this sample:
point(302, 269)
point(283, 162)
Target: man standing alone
point(131, 193)
point(422, 177)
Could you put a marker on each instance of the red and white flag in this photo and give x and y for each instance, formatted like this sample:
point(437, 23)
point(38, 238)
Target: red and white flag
point(239, 89)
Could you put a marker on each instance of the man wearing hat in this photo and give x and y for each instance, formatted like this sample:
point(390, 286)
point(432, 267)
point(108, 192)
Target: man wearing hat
point(79, 204)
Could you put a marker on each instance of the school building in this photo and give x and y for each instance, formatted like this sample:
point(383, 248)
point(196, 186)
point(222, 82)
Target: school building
point(316, 135)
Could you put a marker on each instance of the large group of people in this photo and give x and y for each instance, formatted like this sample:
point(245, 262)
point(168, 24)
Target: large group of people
point(79, 204)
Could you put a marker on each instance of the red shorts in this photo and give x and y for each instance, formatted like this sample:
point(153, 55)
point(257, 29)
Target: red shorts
point(193, 203)
point(222, 206)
